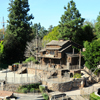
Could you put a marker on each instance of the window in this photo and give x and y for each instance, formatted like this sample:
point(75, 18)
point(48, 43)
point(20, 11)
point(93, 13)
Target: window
point(52, 52)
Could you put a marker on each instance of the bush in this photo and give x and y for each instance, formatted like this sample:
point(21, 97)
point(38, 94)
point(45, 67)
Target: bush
point(32, 89)
point(28, 88)
point(24, 90)
point(45, 96)
point(42, 89)
point(16, 63)
point(96, 72)
point(94, 97)
point(30, 59)
point(77, 75)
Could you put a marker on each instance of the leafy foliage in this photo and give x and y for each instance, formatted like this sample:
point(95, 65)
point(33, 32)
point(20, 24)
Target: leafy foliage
point(31, 59)
point(96, 72)
point(28, 88)
point(42, 89)
point(1, 51)
point(45, 96)
point(97, 26)
point(77, 75)
point(40, 30)
point(90, 23)
point(71, 23)
point(24, 90)
point(18, 30)
point(53, 35)
point(88, 34)
point(1, 47)
point(32, 89)
point(94, 97)
point(92, 53)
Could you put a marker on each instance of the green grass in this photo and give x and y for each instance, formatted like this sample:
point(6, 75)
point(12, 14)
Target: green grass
point(94, 97)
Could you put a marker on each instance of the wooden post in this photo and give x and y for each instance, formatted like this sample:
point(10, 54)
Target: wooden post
point(73, 50)
point(50, 62)
point(41, 61)
point(36, 45)
point(60, 63)
point(3, 27)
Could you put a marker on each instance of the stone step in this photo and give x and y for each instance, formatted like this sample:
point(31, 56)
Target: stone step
point(76, 97)
point(23, 69)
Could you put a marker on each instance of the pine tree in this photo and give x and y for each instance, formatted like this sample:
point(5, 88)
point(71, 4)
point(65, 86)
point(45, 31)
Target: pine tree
point(18, 30)
point(71, 22)
point(97, 26)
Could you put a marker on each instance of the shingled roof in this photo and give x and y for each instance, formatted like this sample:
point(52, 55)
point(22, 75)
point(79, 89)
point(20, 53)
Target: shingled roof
point(4, 94)
point(55, 42)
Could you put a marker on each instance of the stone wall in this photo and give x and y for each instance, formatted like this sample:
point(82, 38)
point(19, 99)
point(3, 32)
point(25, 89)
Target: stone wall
point(65, 86)
point(11, 87)
point(94, 78)
point(40, 73)
point(35, 71)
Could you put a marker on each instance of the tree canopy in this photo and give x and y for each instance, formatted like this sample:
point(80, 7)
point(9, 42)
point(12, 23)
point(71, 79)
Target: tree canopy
point(92, 53)
point(97, 26)
point(71, 22)
point(18, 30)
point(40, 30)
point(53, 35)
point(88, 34)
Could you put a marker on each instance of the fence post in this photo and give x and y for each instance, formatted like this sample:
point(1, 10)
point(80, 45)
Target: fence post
point(14, 72)
point(27, 73)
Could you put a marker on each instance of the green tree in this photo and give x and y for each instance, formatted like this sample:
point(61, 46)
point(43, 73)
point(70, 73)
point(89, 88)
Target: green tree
point(18, 30)
point(1, 51)
point(97, 26)
point(87, 33)
point(91, 23)
point(50, 28)
point(92, 53)
point(41, 31)
point(53, 35)
point(1, 47)
point(35, 28)
point(71, 22)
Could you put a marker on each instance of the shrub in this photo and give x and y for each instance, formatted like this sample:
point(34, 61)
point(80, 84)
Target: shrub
point(30, 59)
point(24, 90)
point(96, 72)
point(94, 97)
point(28, 88)
point(45, 96)
point(42, 89)
point(16, 63)
point(32, 89)
point(77, 75)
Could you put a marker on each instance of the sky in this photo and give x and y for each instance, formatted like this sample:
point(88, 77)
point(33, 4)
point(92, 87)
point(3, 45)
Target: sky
point(48, 12)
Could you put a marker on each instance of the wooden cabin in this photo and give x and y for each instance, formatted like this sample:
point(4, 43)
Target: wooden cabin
point(60, 54)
